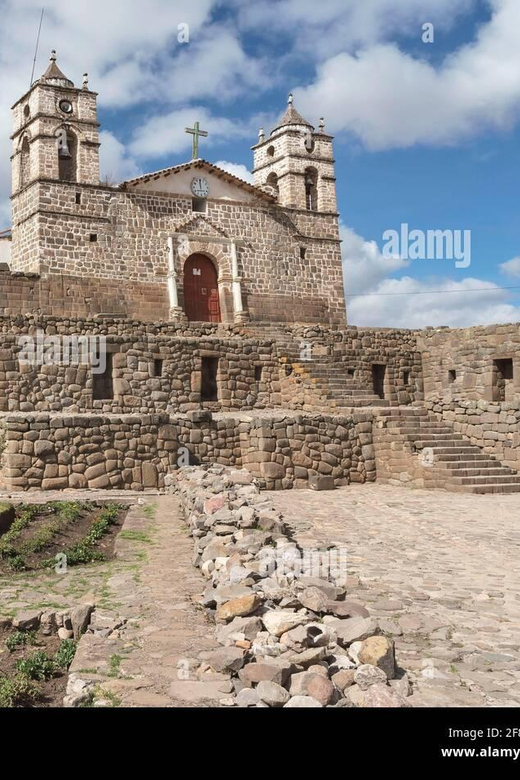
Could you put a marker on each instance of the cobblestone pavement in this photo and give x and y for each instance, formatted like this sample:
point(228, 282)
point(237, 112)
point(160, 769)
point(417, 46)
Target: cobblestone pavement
point(440, 571)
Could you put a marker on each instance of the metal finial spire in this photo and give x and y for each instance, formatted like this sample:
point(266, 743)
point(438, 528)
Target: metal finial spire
point(261, 135)
point(290, 100)
point(53, 56)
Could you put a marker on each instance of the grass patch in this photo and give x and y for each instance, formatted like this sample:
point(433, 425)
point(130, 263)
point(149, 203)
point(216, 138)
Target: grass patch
point(135, 536)
point(114, 664)
point(150, 510)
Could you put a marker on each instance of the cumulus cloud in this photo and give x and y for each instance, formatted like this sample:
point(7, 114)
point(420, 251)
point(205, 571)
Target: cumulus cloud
point(391, 99)
point(116, 164)
point(165, 133)
point(323, 29)
point(511, 268)
point(375, 300)
point(134, 57)
point(364, 266)
point(236, 169)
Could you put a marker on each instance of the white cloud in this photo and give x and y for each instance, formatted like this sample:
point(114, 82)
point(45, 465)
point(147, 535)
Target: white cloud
point(390, 99)
point(412, 303)
point(115, 163)
point(511, 268)
point(236, 169)
point(165, 133)
point(323, 29)
point(132, 54)
point(364, 265)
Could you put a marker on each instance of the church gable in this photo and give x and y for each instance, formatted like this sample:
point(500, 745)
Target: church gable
point(199, 179)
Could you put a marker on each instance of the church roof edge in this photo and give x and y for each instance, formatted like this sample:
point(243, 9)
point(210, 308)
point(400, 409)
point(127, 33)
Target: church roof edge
point(204, 164)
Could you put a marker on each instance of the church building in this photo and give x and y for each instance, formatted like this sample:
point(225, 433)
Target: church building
point(190, 243)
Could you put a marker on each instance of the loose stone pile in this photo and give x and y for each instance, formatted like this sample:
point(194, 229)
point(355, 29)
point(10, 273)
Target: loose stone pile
point(288, 639)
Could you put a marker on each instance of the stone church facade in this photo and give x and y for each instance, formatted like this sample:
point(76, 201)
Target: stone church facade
point(271, 249)
point(219, 307)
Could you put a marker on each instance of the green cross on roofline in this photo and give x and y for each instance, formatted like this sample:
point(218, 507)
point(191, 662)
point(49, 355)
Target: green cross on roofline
point(196, 132)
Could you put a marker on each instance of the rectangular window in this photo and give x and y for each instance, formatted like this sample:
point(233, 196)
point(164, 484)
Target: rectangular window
point(258, 373)
point(78, 198)
point(209, 388)
point(199, 205)
point(102, 383)
point(93, 238)
point(406, 377)
point(452, 376)
point(158, 367)
point(351, 372)
point(303, 253)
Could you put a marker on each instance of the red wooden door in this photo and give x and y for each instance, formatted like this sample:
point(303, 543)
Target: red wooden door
point(201, 302)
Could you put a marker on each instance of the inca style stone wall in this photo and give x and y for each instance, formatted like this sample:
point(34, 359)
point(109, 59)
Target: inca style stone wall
point(54, 453)
point(252, 370)
point(135, 452)
point(471, 355)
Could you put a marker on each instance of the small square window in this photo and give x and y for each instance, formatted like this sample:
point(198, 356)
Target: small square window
point(199, 205)
point(93, 238)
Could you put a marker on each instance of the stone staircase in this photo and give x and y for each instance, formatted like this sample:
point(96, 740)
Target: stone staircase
point(337, 390)
point(431, 453)
point(324, 377)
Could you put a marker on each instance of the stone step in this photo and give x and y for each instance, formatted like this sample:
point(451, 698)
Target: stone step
point(483, 489)
point(464, 465)
point(489, 480)
point(457, 450)
point(361, 402)
point(485, 471)
point(469, 458)
point(427, 439)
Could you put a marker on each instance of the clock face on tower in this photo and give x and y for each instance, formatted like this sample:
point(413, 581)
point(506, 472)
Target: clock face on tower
point(66, 106)
point(200, 187)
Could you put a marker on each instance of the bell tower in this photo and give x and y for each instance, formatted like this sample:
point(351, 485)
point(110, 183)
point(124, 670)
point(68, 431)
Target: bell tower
point(296, 163)
point(55, 133)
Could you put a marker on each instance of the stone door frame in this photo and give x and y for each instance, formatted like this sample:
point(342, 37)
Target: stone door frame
point(223, 252)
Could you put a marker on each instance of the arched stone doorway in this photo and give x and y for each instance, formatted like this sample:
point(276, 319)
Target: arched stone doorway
point(201, 299)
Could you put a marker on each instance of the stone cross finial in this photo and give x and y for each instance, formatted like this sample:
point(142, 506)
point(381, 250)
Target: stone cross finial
point(85, 81)
point(322, 125)
point(291, 98)
point(196, 132)
point(261, 135)
point(53, 56)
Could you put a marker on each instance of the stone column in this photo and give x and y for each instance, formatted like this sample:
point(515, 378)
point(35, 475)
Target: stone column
point(239, 314)
point(176, 312)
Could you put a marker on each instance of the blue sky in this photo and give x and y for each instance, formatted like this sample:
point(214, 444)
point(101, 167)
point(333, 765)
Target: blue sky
point(425, 133)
